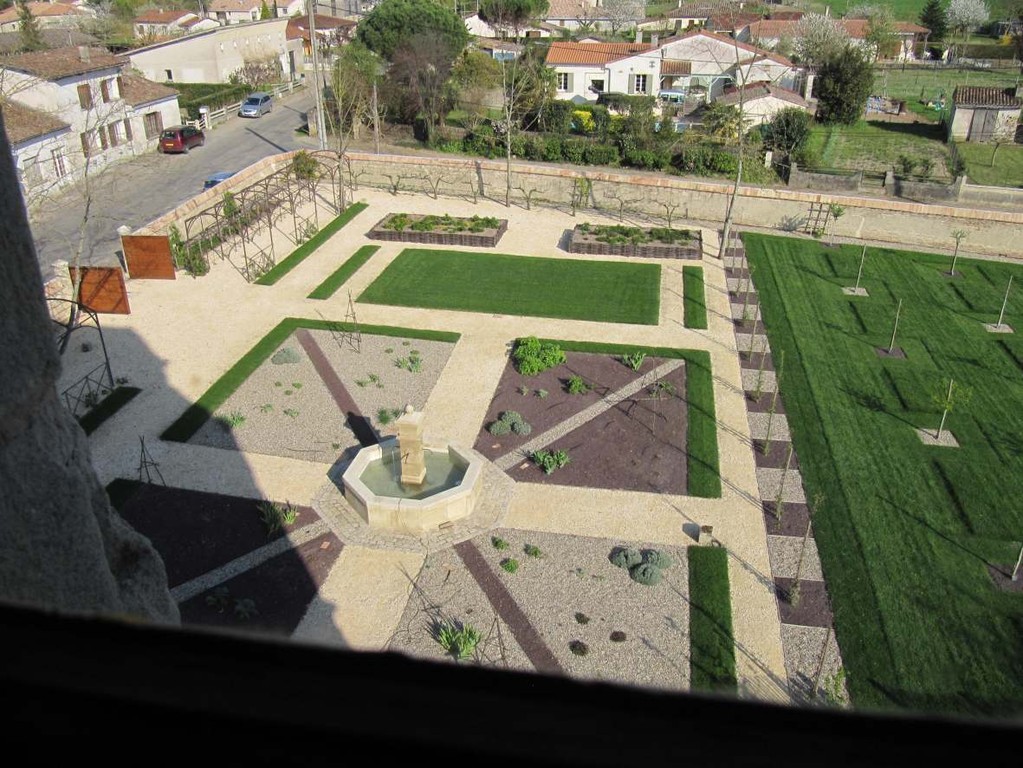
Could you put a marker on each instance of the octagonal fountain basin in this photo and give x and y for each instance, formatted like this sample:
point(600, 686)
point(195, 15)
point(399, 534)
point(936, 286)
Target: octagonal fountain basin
point(373, 487)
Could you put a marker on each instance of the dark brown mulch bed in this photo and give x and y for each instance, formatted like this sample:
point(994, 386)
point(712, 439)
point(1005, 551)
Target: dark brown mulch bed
point(639, 445)
point(813, 610)
point(794, 516)
point(745, 326)
point(762, 404)
point(747, 360)
point(281, 589)
point(195, 531)
point(776, 455)
point(587, 242)
point(1002, 578)
point(603, 373)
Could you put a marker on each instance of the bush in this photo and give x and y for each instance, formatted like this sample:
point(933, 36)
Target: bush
point(533, 357)
point(499, 543)
point(499, 428)
point(618, 636)
point(658, 558)
point(724, 162)
point(511, 418)
point(578, 647)
point(600, 154)
point(510, 564)
point(285, 356)
point(557, 118)
point(535, 148)
point(582, 121)
point(576, 386)
point(646, 159)
point(646, 574)
point(626, 557)
point(601, 122)
point(549, 461)
point(573, 150)
point(552, 149)
point(522, 428)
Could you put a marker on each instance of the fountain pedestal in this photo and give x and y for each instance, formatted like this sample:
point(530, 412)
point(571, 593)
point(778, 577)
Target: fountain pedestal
point(410, 447)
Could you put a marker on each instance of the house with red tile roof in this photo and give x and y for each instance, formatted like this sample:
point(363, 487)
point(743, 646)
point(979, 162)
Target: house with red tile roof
point(46, 15)
point(160, 23)
point(768, 33)
point(761, 102)
point(67, 109)
point(698, 62)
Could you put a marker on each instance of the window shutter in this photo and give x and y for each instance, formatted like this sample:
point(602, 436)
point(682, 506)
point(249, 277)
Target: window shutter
point(632, 83)
point(85, 96)
point(120, 87)
point(104, 89)
point(569, 82)
point(127, 129)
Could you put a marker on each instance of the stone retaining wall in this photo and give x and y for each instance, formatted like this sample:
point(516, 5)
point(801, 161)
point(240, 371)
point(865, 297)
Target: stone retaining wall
point(466, 239)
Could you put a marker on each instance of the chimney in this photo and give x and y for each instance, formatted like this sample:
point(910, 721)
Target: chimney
point(83, 53)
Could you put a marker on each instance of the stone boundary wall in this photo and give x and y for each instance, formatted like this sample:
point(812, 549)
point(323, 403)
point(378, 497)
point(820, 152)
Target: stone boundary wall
point(647, 197)
point(824, 182)
point(975, 193)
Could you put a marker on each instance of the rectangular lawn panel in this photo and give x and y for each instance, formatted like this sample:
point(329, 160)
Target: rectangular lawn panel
point(712, 651)
point(197, 414)
point(904, 530)
point(606, 291)
point(330, 286)
point(694, 299)
point(305, 250)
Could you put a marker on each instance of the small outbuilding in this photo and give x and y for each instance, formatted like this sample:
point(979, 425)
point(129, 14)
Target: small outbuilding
point(984, 114)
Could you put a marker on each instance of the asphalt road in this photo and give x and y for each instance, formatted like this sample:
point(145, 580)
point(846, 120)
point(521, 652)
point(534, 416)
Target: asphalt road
point(136, 191)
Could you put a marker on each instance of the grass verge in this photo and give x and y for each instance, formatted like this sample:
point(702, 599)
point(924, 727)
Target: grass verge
point(107, 407)
point(606, 291)
point(704, 476)
point(329, 287)
point(200, 411)
point(694, 299)
point(906, 531)
point(305, 250)
point(996, 165)
point(712, 646)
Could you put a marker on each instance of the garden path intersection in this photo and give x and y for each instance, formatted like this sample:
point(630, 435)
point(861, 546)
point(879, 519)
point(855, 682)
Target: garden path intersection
point(219, 317)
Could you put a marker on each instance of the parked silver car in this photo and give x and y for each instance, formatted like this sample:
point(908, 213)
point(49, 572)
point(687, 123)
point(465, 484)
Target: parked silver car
point(256, 105)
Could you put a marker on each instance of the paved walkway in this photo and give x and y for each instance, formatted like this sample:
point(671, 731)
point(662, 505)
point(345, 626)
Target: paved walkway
point(184, 334)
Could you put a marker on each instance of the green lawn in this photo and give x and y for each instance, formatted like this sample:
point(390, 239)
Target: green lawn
point(694, 301)
point(330, 286)
point(877, 147)
point(983, 166)
point(712, 645)
point(905, 530)
point(306, 249)
point(607, 291)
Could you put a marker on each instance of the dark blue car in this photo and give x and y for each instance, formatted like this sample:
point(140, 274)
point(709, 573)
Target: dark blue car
point(216, 178)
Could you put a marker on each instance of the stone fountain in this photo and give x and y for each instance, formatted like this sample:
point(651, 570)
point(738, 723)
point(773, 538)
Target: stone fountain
point(406, 486)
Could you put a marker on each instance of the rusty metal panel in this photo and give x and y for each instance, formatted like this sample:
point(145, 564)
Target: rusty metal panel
point(148, 257)
point(102, 289)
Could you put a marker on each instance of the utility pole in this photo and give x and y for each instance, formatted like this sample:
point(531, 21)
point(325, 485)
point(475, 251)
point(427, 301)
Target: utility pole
point(321, 126)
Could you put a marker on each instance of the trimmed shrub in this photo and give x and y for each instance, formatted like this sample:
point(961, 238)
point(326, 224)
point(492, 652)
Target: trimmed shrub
point(285, 356)
point(582, 121)
point(573, 150)
point(658, 558)
point(582, 618)
point(557, 118)
point(533, 357)
point(578, 647)
point(522, 428)
point(618, 636)
point(510, 564)
point(536, 147)
point(499, 428)
point(626, 557)
point(511, 418)
point(601, 154)
point(645, 573)
point(552, 149)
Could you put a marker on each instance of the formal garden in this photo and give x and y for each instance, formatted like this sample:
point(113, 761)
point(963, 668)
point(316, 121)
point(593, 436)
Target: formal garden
point(917, 538)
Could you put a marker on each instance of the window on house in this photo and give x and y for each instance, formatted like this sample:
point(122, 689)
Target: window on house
point(168, 75)
point(640, 84)
point(597, 85)
point(104, 142)
point(104, 90)
point(127, 130)
point(152, 122)
point(114, 134)
point(32, 175)
point(59, 162)
point(85, 96)
point(88, 145)
point(562, 81)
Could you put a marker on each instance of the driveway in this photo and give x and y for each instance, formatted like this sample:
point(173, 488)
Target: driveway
point(137, 191)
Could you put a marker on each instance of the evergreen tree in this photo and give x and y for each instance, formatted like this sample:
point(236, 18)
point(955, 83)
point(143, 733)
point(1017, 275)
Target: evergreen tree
point(28, 29)
point(933, 17)
point(265, 12)
point(844, 82)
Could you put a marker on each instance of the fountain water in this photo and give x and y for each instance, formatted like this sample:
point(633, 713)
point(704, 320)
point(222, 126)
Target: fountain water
point(404, 485)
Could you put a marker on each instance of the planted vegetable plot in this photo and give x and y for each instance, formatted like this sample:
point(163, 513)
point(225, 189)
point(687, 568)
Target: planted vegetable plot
point(619, 240)
point(440, 230)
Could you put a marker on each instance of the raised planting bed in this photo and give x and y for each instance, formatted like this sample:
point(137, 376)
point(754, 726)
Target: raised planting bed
point(619, 240)
point(440, 230)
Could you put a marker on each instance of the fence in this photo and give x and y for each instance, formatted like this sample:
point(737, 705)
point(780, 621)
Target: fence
point(215, 116)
